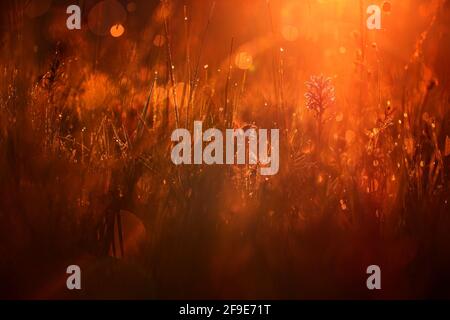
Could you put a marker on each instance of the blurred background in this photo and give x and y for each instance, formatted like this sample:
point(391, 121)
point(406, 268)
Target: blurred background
point(85, 170)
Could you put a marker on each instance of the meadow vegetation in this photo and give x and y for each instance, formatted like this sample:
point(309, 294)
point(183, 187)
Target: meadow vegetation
point(86, 176)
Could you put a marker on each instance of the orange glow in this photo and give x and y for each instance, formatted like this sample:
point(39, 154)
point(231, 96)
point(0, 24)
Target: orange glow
point(131, 6)
point(86, 137)
point(290, 33)
point(244, 60)
point(159, 40)
point(117, 30)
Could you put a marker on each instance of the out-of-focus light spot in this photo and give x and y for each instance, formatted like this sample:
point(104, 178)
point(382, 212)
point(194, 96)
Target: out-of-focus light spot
point(131, 6)
point(342, 50)
point(244, 60)
point(117, 30)
point(319, 179)
point(289, 33)
point(328, 53)
point(36, 8)
point(339, 117)
point(159, 40)
point(387, 7)
point(206, 66)
point(350, 136)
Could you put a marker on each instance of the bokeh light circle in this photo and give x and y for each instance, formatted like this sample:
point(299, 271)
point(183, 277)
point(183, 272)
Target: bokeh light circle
point(290, 33)
point(131, 6)
point(244, 60)
point(117, 30)
point(36, 8)
point(387, 7)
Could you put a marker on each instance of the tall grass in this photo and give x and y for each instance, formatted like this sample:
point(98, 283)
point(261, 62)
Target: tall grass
point(87, 178)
